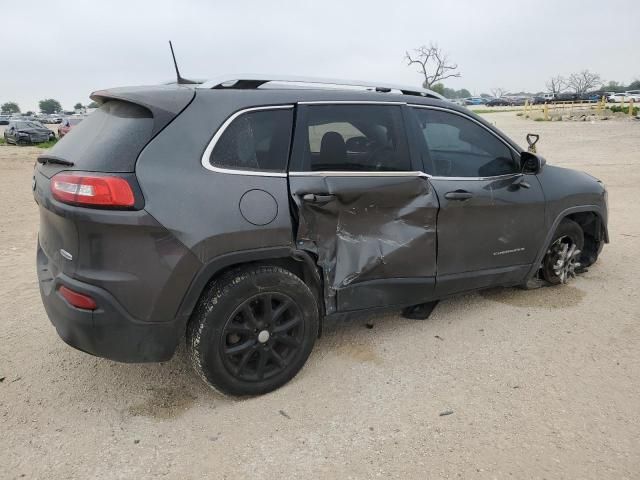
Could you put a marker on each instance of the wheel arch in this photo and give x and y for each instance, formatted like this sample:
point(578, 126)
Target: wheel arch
point(589, 217)
point(298, 262)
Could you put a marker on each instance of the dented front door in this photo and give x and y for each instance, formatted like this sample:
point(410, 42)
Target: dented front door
point(491, 218)
point(373, 233)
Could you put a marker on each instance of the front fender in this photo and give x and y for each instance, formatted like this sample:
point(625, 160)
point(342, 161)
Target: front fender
point(597, 209)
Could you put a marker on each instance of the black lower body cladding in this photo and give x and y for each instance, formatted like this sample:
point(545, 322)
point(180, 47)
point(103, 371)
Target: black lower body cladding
point(135, 270)
point(109, 331)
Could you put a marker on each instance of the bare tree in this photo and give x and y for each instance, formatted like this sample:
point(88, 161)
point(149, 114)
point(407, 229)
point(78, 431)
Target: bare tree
point(557, 84)
point(432, 63)
point(498, 92)
point(584, 81)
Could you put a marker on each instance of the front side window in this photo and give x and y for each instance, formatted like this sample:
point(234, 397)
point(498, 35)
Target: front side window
point(255, 140)
point(458, 147)
point(362, 138)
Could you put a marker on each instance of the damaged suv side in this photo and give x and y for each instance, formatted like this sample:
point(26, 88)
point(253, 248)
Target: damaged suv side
point(245, 213)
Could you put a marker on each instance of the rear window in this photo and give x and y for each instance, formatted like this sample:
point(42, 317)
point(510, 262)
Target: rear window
point(109, 140)
point(256, 140)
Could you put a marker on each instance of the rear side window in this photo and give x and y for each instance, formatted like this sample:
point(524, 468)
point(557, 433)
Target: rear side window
point(109, 140)
point(255, 140)
point(458, 147)
point(363, 138)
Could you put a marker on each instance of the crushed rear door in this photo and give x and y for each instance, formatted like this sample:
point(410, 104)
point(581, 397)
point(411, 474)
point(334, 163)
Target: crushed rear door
point(373, 232)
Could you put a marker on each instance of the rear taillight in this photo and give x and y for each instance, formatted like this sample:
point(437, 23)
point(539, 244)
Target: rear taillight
point(78, 300)
point(83, 189)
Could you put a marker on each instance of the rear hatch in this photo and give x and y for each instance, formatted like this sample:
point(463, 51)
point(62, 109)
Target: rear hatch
point(107, 142)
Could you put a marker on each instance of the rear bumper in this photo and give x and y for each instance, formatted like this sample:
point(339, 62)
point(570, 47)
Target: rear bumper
point(109, 331)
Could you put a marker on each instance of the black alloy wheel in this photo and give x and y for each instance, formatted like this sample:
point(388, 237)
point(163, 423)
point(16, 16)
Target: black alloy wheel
point(262, 336)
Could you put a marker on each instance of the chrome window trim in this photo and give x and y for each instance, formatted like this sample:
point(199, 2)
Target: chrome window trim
point(350, 173)
point(212, 143)
point(461, 114)
point(496, 177)
point(338, 173)
point(351, 102)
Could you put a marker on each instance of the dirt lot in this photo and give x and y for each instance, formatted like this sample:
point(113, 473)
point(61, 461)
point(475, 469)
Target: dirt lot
point(542, 384)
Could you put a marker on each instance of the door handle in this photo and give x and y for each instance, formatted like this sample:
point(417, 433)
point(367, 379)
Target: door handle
point(458, 195)
point(318, 199)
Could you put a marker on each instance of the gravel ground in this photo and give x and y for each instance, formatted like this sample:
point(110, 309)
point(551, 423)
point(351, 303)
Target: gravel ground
point(541, 384)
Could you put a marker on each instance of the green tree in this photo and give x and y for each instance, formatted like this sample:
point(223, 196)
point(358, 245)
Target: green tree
point(9, 108)
point(78, 106)
point(50, 105)
point(93, 105)
point(613, 86)
point(438, 88)
point(635, 85)
point(450, 92)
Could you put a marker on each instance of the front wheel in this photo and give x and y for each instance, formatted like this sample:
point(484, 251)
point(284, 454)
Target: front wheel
point(253, 330)
point(562, 257)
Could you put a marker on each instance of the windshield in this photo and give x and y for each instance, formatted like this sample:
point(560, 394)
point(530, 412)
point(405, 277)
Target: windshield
point(29, 125)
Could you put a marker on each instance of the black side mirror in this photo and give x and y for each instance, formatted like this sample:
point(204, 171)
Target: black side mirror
point(531, 163)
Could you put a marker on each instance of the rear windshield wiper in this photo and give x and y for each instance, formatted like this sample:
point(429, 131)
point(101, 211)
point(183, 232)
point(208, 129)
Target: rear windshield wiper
point(58, 161)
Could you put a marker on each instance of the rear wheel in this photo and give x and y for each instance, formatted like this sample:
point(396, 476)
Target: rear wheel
point(253, 330)
point(563, 255)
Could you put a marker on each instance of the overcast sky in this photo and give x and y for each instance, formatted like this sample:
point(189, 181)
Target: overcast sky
point(66, 49)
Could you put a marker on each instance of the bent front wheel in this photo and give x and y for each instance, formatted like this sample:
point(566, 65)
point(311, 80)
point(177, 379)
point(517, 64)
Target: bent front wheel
point(563, 255)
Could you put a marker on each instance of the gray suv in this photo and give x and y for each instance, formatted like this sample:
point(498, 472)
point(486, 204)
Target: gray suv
point(244, 213)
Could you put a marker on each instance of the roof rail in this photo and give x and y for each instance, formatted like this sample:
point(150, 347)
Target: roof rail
point(253, 81)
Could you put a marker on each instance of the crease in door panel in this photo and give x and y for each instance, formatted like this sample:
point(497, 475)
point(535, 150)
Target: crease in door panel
point(367, 234)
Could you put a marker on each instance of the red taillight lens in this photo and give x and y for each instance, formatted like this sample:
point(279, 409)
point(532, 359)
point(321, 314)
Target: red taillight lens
point(82, 189)
point(78, 300)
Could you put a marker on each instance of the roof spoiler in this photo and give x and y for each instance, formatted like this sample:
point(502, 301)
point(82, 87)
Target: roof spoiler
point(164, 102)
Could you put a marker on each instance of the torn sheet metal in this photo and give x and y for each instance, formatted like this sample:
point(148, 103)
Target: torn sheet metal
point(371, 228)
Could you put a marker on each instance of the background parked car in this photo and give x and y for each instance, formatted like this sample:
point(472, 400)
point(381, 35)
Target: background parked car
point(518, 101)
point(25, 132)
point(66, 126)
point(567, 97)
point(632, 95)
point(458, 101)
point(591, 97)
point(617, 98)
point(52, 119)
point(474, 101)
point(499, 102)
point(4, 119)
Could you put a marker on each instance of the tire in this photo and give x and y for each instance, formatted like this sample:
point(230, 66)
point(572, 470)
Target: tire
point(236, 346)
point(568, 234)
